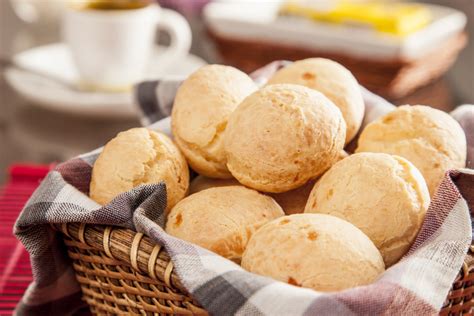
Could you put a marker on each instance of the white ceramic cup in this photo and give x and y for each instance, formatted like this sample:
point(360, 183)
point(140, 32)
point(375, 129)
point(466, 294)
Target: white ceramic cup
point(111, 48)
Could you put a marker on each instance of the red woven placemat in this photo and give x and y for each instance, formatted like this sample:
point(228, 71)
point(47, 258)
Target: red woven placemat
point(15, 271)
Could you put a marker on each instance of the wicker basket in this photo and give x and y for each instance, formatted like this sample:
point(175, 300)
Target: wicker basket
point(123, 272)
point(392, 79)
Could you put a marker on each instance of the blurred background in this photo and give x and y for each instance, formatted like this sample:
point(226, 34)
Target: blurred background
point(410, 53)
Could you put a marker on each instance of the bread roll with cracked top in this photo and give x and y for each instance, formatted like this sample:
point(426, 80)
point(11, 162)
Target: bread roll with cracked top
point(430, 139)
point(139, 156)
point(384, 195)
point(200, 112)
point(282, 136)
point(222, 219)
point(316, 251)
point(334, 81)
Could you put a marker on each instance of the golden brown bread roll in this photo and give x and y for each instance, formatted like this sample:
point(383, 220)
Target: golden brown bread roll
point(430, 139)
point(222, 219)
point(316, 251)
point(282, 136)
point(385, 196)
point(334, 81)
point(201, 108)
point(139, 156)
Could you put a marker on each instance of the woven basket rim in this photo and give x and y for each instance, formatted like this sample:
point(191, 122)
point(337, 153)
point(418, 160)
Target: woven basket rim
point(145, 256)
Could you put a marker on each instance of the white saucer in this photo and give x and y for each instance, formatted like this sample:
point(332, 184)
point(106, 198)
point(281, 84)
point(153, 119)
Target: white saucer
point(55, 62)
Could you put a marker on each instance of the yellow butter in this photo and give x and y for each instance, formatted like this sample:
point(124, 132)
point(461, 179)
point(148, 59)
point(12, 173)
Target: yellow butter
point(399, 19)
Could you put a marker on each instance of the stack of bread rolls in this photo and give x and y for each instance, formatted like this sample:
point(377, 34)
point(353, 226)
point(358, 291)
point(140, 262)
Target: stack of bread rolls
point(275, 190)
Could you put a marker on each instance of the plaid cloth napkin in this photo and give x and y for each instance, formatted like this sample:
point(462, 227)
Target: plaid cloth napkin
point(418, 284)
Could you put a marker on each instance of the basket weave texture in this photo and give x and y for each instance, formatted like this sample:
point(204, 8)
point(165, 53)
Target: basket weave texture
point(392, 79)
point(122, 272)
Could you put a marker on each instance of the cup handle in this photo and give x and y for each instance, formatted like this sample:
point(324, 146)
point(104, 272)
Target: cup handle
point(179, 31)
